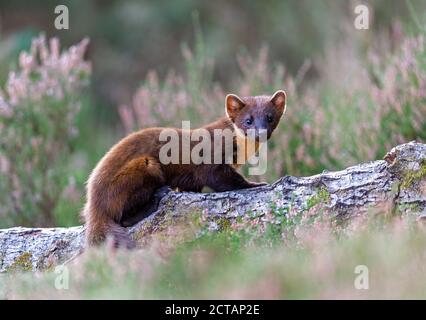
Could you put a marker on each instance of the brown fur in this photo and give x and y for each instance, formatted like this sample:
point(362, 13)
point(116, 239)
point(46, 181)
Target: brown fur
point(121, 188)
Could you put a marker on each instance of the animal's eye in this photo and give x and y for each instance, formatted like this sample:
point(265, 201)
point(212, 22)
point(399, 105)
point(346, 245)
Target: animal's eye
point(270, 118)
point(249, 121)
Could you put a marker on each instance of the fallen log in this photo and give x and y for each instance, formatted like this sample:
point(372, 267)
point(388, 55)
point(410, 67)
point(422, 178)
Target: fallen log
point(399, 179)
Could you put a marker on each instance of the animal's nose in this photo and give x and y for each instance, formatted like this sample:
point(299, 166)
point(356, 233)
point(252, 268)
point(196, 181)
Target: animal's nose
point(261, 124)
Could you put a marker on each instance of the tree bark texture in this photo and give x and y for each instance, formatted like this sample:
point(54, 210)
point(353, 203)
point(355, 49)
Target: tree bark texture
point(399, 179)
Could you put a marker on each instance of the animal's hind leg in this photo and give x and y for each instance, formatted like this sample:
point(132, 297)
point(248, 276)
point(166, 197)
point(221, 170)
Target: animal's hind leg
point(139, 206)
point(145, 209)
point(136, 182)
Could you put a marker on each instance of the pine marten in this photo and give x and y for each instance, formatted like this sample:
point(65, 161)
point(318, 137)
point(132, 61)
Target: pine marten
point(121, 188)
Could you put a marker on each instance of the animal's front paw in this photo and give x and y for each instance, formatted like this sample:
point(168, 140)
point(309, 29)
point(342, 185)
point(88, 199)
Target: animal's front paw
point(257, 184)
point(163, 191)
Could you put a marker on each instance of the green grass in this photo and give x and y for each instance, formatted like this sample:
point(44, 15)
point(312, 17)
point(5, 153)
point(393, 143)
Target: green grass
point(249, 261)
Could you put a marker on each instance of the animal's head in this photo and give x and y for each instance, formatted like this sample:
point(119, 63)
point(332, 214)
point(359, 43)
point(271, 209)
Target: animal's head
point(257, 112)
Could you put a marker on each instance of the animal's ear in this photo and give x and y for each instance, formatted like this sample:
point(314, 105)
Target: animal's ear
point(279, 99)
point(233, 105)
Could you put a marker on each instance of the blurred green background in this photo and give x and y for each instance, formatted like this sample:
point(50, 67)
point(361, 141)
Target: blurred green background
point(130, 38)
point(160, 62)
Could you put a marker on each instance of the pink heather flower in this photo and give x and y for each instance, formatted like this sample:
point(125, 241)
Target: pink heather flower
point(43, 73)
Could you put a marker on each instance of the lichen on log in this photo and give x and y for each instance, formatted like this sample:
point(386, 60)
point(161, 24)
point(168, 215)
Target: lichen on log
point(399, 179)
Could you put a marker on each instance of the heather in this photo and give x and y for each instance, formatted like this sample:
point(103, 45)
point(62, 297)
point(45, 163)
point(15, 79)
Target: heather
point(38, 108)
point(330, 123)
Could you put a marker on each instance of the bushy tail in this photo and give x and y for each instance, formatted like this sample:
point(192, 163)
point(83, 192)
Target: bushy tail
point(101, 227)
point(109, 193)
